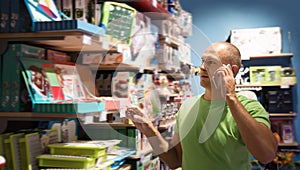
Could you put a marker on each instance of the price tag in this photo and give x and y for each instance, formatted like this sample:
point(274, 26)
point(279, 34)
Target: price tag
point(168, 40)
point(122, 112)
point(87, 40)
point(120, 48)
point(102, 116)
point(285, 86)
point(141, 70)
point(105, 45)
point(88, 118)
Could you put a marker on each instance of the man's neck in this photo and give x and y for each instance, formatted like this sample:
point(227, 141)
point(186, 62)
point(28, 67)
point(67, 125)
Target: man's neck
point(212, 95)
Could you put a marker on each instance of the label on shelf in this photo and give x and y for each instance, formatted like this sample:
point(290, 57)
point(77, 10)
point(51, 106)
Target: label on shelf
point(154, 3)
point(87, 40)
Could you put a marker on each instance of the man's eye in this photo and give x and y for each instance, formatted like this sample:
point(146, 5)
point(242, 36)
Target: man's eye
point(210, 62)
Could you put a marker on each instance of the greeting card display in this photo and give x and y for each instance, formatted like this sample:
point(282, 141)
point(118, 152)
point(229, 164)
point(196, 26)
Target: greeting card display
point(47, 88)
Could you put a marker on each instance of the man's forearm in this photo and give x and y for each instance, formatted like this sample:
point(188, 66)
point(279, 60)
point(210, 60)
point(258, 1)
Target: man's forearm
point(161, 147)
point(257, 137)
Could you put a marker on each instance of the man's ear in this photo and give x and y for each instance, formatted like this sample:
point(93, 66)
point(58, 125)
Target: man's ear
point(235, 69)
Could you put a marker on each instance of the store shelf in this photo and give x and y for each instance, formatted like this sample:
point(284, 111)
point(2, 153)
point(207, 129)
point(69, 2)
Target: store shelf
point(167, 125)
point(260, 85)
point(114, 124)
point(288, 144)
point(176, 76)
point(273, 55)
point(169, 41)
point(282, 114)
point(69, 40)
point(141, 154)
point(36, 115)
point(114, 67)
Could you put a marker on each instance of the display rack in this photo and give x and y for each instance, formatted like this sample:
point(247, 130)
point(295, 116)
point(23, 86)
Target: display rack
point(283, 60)
point(60, 40)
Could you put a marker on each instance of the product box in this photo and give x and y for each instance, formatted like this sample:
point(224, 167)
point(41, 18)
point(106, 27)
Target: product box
point(120, 85)
point(69, 81)
point(93, 150)
point(165, 26)
point(288, 76)
point(186, 23)
point(184, 51)
point(92, 58)
point(4, 15)
point(67, 25)
point(67, 8)
point(278, 101)
point(46, 92)
point(15, 149)
point(257, 41)
point(53, 55)
point(117, 19)
point(30, 147)
point(81, 9)
point(111, 58)
point(14, 95)
point(287, 133)
point(142, 47)
point(20, 20)
point(265, 75)
point(66, 161)
point(103, 84)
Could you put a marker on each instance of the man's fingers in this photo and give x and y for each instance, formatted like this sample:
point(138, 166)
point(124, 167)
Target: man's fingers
point(139, 119)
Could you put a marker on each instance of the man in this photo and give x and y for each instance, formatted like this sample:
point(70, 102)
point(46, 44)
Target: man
point(218, 129)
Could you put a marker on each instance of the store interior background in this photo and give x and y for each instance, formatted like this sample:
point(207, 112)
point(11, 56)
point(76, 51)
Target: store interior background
point(215, 19)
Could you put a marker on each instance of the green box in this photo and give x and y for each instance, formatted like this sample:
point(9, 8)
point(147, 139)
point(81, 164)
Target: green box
point(64, 161)
point(4, 148)
point(265, 75)
point(30, 148)
point(78, 149)
point(118, 19)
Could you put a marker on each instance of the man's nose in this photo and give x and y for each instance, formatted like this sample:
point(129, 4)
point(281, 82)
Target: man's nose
point(202, 66)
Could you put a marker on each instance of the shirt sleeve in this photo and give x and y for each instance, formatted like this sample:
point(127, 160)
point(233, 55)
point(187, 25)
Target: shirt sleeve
point(258, 112)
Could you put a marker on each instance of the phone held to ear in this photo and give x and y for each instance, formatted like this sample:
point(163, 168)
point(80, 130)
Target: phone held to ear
point(217, 80)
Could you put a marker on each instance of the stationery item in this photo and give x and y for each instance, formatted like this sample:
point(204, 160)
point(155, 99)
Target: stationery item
point(43, 10)
point(118, 19)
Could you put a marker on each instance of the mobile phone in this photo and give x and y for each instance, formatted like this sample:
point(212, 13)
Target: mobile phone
point(217, 80)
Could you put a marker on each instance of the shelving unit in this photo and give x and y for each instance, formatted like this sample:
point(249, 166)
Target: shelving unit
point(60, 40)
point(76, 41)
point(273, 55)
point(283, 60)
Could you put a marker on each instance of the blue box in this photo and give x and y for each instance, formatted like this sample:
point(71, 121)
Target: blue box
point(68, 25)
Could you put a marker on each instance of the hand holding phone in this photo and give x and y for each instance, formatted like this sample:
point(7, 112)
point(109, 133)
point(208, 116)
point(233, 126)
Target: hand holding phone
point(217, 79)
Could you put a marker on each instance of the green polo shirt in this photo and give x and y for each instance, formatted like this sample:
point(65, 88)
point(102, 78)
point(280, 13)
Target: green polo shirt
point(209, 136)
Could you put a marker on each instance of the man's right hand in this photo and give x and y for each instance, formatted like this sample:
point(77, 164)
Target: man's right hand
point(140, 120)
